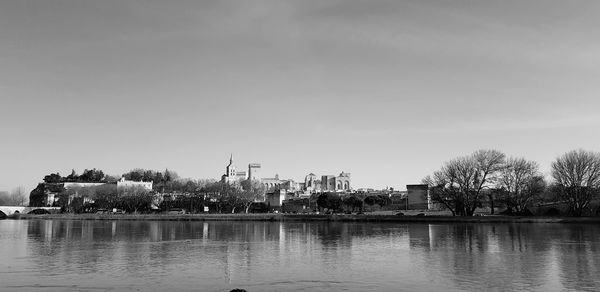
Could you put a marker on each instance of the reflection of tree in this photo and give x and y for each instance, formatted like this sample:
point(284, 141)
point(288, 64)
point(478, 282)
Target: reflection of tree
point(505, 257)
point(240, 249)
point(460, 249)
point(579, 262)
point(475, 257)
point(522, 252)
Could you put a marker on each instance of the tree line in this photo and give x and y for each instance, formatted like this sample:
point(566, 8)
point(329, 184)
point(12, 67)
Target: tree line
point(484, 178)
point(168, 191)
point(338, 202)
point(88, 175)
point(489, 177)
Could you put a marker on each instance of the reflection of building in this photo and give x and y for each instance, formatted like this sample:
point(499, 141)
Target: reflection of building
point(123, 184)
point(419, 236)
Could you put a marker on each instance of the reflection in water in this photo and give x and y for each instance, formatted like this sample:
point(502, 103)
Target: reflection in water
point(579, 272)
point(63, 255)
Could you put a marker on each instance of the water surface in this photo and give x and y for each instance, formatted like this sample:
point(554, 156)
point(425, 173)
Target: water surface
point(64, 255)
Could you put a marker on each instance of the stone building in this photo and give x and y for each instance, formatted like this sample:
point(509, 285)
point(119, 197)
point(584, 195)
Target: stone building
point(311, 184)
point(418, 197)
point(340, 183)
point(276, 184)
point(53, 191)
point(231, 175)
point(276, 198)
point(271, 183)
point(254, 171)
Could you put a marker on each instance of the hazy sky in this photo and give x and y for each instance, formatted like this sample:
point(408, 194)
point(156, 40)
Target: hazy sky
point(385, 90)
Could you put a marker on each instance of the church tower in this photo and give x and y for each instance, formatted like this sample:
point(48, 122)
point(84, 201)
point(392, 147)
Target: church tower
point(230, 171)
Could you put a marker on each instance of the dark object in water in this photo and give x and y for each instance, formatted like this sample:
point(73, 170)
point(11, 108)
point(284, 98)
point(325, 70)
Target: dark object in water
point(238, 290)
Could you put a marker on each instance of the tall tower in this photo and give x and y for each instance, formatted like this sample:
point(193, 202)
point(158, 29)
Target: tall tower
point(254, 171)
point(230, 171)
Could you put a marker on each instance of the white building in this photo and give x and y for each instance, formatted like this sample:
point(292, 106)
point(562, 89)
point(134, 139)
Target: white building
point(123, 183)
point(233, 176)
point(73, 185)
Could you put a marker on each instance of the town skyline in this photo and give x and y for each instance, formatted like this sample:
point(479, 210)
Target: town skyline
point(243, 166)
point(387, 90)
point(300, 145)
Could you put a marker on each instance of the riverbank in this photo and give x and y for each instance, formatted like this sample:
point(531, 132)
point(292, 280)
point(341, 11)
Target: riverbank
point(309, 218)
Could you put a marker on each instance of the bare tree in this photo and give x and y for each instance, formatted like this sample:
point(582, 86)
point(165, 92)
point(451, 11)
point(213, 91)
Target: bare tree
point(489, 163)
point(18, 197)
point(459, 185)
point(519, 183)
point(136, 199)
point(203, 183)
point(252, 191)
point(577, 178)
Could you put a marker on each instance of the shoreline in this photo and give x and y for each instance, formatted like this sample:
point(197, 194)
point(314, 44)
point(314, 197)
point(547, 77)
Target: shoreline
point(308, 218)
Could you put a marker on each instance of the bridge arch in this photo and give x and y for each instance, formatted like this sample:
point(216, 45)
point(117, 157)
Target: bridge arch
point(2, 215)
point(10, 210)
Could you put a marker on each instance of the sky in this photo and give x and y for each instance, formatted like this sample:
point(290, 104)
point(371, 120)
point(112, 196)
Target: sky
point(385, 90)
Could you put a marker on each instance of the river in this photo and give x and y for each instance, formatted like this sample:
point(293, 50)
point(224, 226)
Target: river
point(88, 255)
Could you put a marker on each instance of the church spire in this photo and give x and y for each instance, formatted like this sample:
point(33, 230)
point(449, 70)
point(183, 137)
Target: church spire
point(231, 158)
